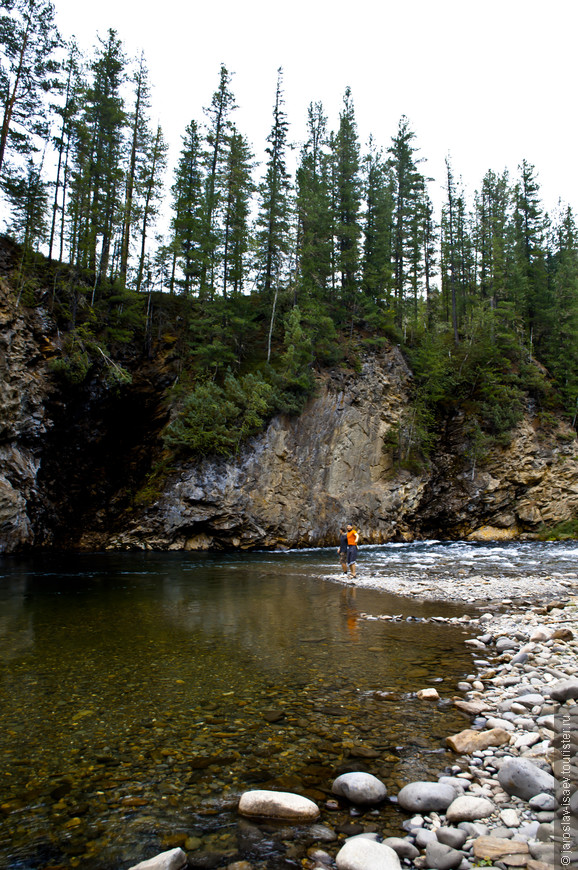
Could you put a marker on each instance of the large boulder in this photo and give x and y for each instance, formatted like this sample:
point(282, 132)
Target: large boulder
point(423, 797)
point(359, 788)
point(261, 803)
point(520, 777)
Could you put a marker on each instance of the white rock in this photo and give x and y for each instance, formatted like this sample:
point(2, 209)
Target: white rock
point(277, 805)
point(362, 854)
point(428, 694)
point(510, 818)
point(174, 859)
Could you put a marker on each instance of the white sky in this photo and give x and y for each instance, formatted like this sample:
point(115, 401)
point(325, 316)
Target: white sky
point(491, 83)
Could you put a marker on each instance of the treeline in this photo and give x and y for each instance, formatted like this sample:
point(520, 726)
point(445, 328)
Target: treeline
point(277, 273)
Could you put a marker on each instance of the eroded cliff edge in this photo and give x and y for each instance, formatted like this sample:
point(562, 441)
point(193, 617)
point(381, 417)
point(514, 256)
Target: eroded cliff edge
point(73, 462)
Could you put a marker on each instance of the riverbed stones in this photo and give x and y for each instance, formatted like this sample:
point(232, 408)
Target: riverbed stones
point(564, 690)
point(402, 847)
point(469, 740)
point(428, 694)
point(442, 857)
point(523, 778)
point(499, 849)
point(174, 859)
point(261, 803)
point(359, 788)
point(453, 837)
point(423, 797)
point(359, 853)
point(468, 808)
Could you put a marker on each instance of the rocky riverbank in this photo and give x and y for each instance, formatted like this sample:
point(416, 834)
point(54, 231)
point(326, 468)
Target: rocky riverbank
point(509, 800)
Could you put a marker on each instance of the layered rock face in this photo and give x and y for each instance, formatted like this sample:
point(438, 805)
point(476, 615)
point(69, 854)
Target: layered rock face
point(25, 385)
point(297, 482)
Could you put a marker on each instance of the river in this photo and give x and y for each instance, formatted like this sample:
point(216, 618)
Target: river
point(141, 693)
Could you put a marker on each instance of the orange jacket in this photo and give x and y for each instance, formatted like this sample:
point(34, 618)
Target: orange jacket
point(352, 538)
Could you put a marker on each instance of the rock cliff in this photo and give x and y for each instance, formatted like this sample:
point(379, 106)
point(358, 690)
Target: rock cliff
point(73, 458)
point(294, 484)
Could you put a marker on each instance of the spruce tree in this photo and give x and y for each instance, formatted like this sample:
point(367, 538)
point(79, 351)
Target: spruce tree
point(187, 220)
point(216, 149)
point(314, 210)
point(347, 199)
point(28, 73)
point(273, 221)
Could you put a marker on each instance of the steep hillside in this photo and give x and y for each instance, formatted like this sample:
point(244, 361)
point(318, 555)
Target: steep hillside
point(82, 465)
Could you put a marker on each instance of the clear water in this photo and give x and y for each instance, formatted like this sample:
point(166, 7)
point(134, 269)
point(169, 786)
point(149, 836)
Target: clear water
point(140, 694)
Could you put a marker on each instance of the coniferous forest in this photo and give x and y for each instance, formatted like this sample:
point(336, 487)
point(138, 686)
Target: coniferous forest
point(264, 274)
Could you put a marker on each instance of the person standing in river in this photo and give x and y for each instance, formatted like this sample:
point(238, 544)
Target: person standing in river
point(352, 540)
point(342, 549)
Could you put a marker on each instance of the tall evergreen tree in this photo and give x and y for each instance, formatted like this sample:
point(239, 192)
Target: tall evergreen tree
point(217, 145)
point(98, 173)
point(273, 220)
point(347, 199)
point(238, 188)
point(150, 183)
point(377, 280)
point(314, 209)
point(140, 146)
point(187, 220)
point(28, 72)
point(408, 192)
point(62, 142)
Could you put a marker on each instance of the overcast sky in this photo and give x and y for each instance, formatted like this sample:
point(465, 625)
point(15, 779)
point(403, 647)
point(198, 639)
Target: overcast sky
point(491, 83)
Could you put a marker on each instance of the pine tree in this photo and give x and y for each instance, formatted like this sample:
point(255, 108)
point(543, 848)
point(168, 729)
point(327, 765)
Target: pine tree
point(408, 196)
point(314, 209)
point(273, 220)
point(187, 220)
point(98, 172)
point(217, 145)
point(377, 272)
point(238, 188)
point(347, 199)
point(140, 142)
point(28, 72)
point(150, 183)
point(62, 142)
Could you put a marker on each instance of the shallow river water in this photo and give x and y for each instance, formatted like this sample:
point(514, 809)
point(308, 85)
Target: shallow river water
point(140, 694)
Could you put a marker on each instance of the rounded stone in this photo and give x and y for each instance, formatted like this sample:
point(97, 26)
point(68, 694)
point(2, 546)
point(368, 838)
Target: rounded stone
point(451, 837)
point(359, 788)
point(277, 805)
point(522, 778)
point(362, 854)
point(467, 808)
point(442, 857)
point(419, 797)
point(402, 847)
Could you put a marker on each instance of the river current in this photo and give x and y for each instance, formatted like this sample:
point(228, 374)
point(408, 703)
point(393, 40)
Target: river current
point(141, 693)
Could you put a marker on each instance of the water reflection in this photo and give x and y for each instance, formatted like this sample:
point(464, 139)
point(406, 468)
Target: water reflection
point(142, 691)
